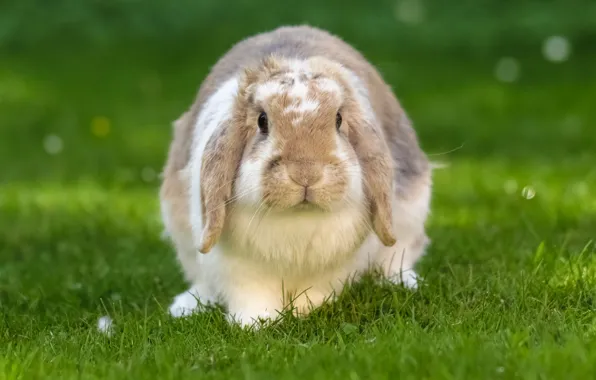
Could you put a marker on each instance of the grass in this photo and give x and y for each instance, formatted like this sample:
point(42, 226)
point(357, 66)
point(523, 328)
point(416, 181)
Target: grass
point(510, 279)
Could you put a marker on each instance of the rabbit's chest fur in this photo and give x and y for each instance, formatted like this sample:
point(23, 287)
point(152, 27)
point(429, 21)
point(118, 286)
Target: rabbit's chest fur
point(296, 241)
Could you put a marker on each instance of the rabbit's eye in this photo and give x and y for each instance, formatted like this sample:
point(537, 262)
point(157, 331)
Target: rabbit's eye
point(338, 120)
point(263, 123)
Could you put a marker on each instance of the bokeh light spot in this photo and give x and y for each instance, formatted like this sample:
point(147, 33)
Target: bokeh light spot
point(148, 174)
point(101, 126)
point(556, 49)
point(507, 70)
point(510, 186)
point(528, 192)
point(53, 144)
point(410, 11)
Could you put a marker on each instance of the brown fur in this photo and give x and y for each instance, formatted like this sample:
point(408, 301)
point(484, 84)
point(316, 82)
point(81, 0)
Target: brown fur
point(387, 152)
point(305, 162)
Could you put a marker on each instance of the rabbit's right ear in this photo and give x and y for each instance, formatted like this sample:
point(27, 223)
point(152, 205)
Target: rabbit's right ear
point(219, 167)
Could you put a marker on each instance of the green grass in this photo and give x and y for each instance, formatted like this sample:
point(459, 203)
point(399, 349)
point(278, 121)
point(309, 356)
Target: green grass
point(510, 282)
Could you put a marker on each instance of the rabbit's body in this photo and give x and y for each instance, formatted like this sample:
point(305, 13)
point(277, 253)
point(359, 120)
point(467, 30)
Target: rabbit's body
point(306, 208)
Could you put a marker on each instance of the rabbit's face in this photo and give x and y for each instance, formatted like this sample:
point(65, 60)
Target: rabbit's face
point(298, 155)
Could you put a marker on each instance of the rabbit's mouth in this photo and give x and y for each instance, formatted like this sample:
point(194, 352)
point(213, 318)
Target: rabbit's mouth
point(306, 205)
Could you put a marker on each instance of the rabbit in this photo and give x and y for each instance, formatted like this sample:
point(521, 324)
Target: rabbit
point(295, 171)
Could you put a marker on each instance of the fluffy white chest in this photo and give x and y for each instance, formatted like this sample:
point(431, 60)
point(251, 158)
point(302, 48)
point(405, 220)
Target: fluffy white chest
point(296, 241)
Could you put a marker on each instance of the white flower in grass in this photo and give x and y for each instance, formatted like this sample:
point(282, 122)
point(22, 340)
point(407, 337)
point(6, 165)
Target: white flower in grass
point(104, 325)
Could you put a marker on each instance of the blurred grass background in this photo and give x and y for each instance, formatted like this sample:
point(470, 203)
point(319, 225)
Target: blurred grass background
point(99, 82)
point(410, 24)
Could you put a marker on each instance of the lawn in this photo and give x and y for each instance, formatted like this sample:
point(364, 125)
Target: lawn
point(510, 277)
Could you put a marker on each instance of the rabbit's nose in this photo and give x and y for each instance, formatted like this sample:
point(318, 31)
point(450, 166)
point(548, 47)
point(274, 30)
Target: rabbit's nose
point(305, 174)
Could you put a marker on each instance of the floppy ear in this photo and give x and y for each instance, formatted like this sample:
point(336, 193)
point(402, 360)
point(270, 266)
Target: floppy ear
point(369, 143)
point(377, 170)
point(220, 162)
point(219, 167)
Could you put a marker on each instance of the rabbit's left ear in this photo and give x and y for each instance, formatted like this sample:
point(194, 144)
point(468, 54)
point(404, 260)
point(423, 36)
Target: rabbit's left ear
point(368, 141)
point(377, 170)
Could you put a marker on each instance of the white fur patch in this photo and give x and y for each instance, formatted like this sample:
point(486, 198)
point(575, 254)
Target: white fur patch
point(298, 90)
point(194, 300)
point(328, 85)
point(356, 190)
point(298, 66)
point(216, 110)
point(267, 90)
point(308, 105)
point(184, 304)
point(362, 96)
point(248, 186)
